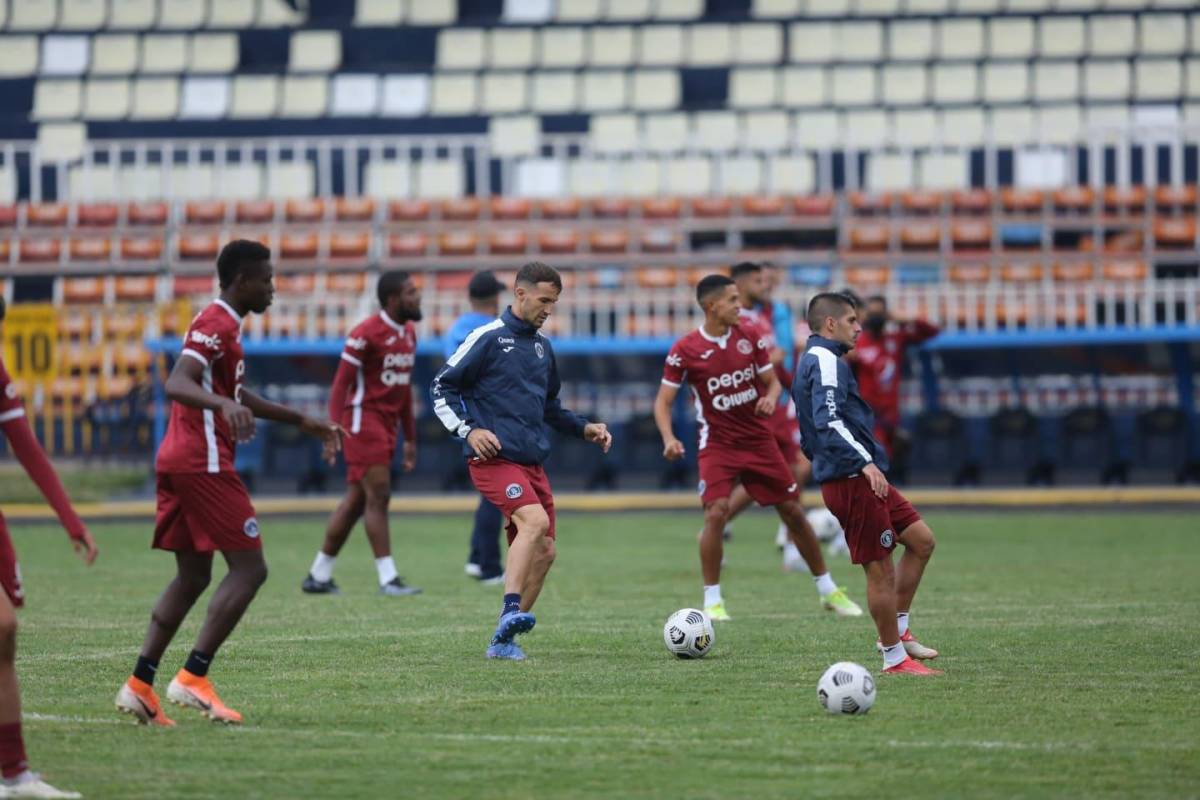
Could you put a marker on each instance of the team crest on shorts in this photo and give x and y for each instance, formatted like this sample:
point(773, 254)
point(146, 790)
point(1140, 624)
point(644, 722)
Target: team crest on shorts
point(513, 491)
point(886, 538)
point(250, 528)
point(701, 487)
point(744, 347)
point(537, 348)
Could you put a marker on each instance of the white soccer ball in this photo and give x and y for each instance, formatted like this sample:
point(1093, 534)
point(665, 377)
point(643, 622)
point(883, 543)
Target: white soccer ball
point(824, 524)
point(688, 633)
point(846, 688)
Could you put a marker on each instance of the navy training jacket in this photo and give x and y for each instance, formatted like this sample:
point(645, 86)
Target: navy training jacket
point(836, 424)
point(504, 378)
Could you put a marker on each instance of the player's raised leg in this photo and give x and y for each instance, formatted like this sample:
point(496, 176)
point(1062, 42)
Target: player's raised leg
point(341, 522)
point(805, 541)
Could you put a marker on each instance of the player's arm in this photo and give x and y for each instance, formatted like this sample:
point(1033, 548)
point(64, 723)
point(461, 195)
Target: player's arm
point(459, 375)
point(566, 421)
point(408, 424)
point(330, 433)
point(343, 379)
point(673, 449)
point(184, 386)
point(33, 459)
point(829, 396)
point(765, 367)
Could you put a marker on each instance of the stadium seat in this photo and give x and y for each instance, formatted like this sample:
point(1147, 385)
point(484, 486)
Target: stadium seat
point(654, 90)
point(204, 212)
point(789, 174)
point(660, 208)
point(562, 48)
point(812, 42)
point(64, 55)
point(298, 246)
point(346, 283)
point(888, 171)
point(462, 209)
point(199, 246)
point(1175, 199)
point(135, 288)
point(1010, 37)
point(804, 87)
point(304, 210)
point(141, 248)
point(97, 215)
point(865, 128)
point(1175, 233)
point(1162, 34)
point(578, 10)
point(1027, 202)
point(1128, 200)
point(969, 234)
point(557, 241)
point(955, 84)
point(757, 44)
point(46, 215)
point(348, 245)
point(867, 277)
point(408, 245)
point(1072, 271)
point(82, 15)
point(554, 93)
point(409, 210)
point(354, 209)
point(148, 214)
point(440, 178)
point(960, 39)
point(660, 45)
point(304, 96)
point(869, 238)
point(821, 205)
point(315, 51)
point(710, 207)
point(910, 40)
point(678, 9)
point(1106, 80)
point(853, 86)
point(510, 208)
point(608, 241)
point(1125, 271)
point(458, 243)
point(903, 84)
point(181, 14)
point(1061, 37)
point(503, 93)
point(1157, 79)
point(213, 53)
point(1111, 35)
point(858, 41)
point(254, 211)
point(914, 127)
point(32, 15)
point(1074, 200)
point(461, 48)
point(818, 129)
point(379, 13)
point(453, 94)
point(559, 208)
point(279, 14)
point(970, 274)
point(708, 45)
point(91, 249)
point(57, 99)
point(612, 46)
point(507, 242)
point(83, 290)
point(921, 236)
point(627, 9)
point(155, 98)
point(194, 285)
point(432, 12)
point(1021, 272)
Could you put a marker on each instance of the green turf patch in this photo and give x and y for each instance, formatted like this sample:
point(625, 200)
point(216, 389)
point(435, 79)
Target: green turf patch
point(84, 484)
point(1070, 645)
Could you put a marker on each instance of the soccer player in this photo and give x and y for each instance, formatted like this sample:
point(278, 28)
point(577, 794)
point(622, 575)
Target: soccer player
point(498, 393)
point(729, 369)
point(483, 563)
point(17, 780)
point(372, 393)
point(877, 360)
point(849, 464)
point(203, 506)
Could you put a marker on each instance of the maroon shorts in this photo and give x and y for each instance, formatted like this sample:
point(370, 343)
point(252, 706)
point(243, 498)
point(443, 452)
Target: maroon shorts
point(10, 573)
point(203, 513)
point(759, 466)
point(872, 524)
point(373, 444)
point(787, 437)
point(509, 486)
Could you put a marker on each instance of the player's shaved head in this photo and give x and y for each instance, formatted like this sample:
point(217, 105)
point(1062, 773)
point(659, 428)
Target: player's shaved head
point(390, 283)
point(745, 268)
point(239, 256)
point(536, 272)
point(710, 286)
point(825, 305)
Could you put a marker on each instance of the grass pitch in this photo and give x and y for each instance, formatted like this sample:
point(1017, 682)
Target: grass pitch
point(1070, 643)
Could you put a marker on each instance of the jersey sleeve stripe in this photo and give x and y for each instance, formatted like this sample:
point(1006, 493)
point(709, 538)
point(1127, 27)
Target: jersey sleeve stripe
point(351, 359)
point(187, 351)
point(470, 341)
point(670, 383)
point(12, 413)
point(449, 419)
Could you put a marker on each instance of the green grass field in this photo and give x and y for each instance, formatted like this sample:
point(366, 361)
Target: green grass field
point(1070, 644)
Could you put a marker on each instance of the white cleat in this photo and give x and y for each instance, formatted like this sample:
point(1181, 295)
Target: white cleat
point(30, 784)
point(913, 648)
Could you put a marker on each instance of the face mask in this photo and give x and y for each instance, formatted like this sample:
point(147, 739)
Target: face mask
point(874, 323)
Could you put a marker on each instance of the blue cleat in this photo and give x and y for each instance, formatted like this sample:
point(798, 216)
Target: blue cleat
point(506, 650)
point(511, 624)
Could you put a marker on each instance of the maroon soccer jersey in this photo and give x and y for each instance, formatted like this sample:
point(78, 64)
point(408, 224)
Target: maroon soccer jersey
point(724, 374)
point(384, 352)
point(199, 440)
point(11, 406)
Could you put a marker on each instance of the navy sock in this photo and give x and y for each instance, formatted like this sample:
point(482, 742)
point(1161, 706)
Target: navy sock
point(512, 602)
point(145, 670)
point(197, 663)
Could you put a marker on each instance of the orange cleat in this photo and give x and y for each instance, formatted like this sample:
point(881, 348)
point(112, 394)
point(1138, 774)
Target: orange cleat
point(912, 647)
point(192, 691)
point(910, 666)
point(137, 698)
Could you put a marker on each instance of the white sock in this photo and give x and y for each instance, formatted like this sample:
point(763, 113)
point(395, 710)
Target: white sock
point(386, 569)
point(893, 655)
point(902, 622)
point(825, 584)
point(712, 595)
point(322, 568)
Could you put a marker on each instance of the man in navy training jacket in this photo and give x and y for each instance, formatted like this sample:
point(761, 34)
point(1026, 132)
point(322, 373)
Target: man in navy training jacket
point(497, 393)
point(836, 434)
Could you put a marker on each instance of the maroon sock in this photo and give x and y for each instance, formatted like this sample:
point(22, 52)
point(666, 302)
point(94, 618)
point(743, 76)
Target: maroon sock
point(12, 750)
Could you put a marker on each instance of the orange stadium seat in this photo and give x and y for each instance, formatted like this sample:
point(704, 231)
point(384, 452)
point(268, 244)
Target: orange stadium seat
point(1127, 200)
point(5, 255)
point(304, 209)
point(141, 248)
point(74, 323)
point(558, 241)
point(970, 274)
point(1021, 272)
point(262, 237)
point(1175, 198)
point(354, 209)
point(971, 201)
point(254, 212)
point(154, 213)
point(510, 208)
point(135, 288)
point(299, 245)
point(1074, 200)
point(458, 243)
point(507, 242)
point(869, 238)
point(923, 236)
point(763, 206)
point(78, 358)
point(1175, 233)
point(559, 208)
point(194, 285)
point(349, 244)
point(346, 282)
point(97, 215)
point(609, 240)
point(969, 234)
point(922, 202)
point(661, 208)
point(610, 207)
point(40, 250)
point(460, 209)
point(1022, 201)
point(8, 215)
point(1073, 271)
point(407, 245)
point(126, 325)
point(869, 204)
point(1132, 270)
point(301, 283)
point(711, 207)
point(452, 281)
point(204, 212)
point(132, 357)
point(657, 277)
point(84, 290)
point(818, 205)
point(868, 276)
point(408, 210)
point(90, 249)
point(658, 240)
point(199, 246)
point(46, 215)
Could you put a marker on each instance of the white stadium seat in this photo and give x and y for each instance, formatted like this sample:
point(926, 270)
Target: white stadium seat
point(709, 45)
point(65, 55)
point(1011, 126)
point(1106, 80)
point(889, 172)
point(678, 9)
point(654, 90)
point(278, 14)
point(766, 130)
point(859, 41)
point(1010, 37)
point(389, 179)
point(1061, 37)
point(614, 133)
point(588, 177)
point(610, 46)
point(19, 56)
point(1192, 77)
point(753, 88)
point(136, 15)
point(562, 47)
point(554, 92)
point(927, 7)
point(181, 14)
point(910, 40)
point(943, 171)
point(1005, 82)
point(1157, 79)
point(106, 99)
point(432, 12)
point(904, 85)
point(231, 14)
point(757, 44)
point(355, 96)
point(511, 48)
point(140, 183)
point(290, 180)
point(213, 52)
point(163, 53)
point(604, 91)
point(976, 6)
point(790, 175)
point(828, 8)
point(204, 98)
point(90, 183)
point(1055, 80)
point(461, 48)
point(628, 10)
point(690, 176)
point(254, 97)
point(379, 13)
point(453, 94)
point(503, 92)
point(774, 9)
point(1107, 116)
point(82, 15)
point(440, 178)
point(405, 96)
point(660, 45)
point(853, 86)
point(639, 177)
point(960, 38)
point(32, 15)
point(877, 8)
point(739, 175)
point(1162, 34)
point(1111, 35)
point(578, 10)
point(665, 133)
point(1060, 124)
point(57, 99)
point(514, 136)
point(155, 98)
point(716, 130)
point(962, 126)
point(914, 127)
point(1029, 6)
point(315, 51)
point(818, 129)
point(955, 83)
point(805, 86)
point(812, 42)
point(114, 54)
point(867, 128)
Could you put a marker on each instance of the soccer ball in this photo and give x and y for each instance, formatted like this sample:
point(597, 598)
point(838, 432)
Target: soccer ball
point(824, 525)
point(688, 633)
point(846, 688)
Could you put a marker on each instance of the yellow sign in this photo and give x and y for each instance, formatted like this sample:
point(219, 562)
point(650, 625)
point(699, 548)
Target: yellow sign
point(30, 342)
